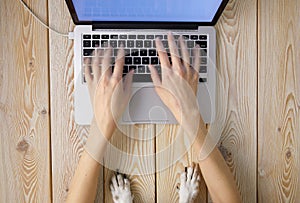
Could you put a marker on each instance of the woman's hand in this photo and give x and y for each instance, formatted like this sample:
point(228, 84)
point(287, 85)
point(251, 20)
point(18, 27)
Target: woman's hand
point(109, 94)
point(178, 86)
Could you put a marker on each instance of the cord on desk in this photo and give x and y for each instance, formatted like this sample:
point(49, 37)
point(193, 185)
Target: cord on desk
point(40, 21)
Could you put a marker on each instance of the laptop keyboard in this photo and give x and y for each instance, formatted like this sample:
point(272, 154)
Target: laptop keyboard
point(140, 51)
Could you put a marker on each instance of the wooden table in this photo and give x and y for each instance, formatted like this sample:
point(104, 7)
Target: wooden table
point(258, 100)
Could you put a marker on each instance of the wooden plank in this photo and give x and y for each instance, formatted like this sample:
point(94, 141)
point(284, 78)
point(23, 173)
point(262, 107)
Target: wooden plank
point(237, 89)
point(132, 153)
point(24, 106)
point(279, 101)
point(173, 154)
point(67, 137)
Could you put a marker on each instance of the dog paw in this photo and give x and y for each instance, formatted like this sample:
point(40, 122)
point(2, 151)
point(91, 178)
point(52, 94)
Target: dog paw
point(120, 189)
point(189, 185)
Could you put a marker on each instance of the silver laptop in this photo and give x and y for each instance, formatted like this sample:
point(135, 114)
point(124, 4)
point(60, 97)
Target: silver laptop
point(136, 24)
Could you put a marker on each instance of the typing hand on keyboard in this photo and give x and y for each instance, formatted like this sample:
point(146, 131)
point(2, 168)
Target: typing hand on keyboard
point(108, 92)
point(178, 84)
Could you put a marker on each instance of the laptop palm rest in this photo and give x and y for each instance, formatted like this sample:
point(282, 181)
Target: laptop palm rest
point(145, 106)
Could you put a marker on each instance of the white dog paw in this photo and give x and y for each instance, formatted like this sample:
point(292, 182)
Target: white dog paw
point(120, 189)
point(189, 185)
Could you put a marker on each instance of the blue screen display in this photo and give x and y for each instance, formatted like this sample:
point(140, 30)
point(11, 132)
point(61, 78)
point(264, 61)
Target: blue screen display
point(147, 10)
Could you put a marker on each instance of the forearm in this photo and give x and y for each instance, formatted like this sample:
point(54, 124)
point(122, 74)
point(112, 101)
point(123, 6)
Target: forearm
point(84, 183)
point(216, 173)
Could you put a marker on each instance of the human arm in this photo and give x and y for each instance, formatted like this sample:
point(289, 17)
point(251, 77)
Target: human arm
point(104, 87)
point(177, 89)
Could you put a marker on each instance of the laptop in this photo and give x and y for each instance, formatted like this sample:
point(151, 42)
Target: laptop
point(136, 24)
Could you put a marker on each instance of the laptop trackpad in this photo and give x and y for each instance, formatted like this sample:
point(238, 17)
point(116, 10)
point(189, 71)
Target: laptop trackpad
point(145, 106)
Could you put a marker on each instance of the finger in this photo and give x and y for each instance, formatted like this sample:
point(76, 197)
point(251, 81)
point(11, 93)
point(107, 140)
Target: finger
point(189, 173)
point(127, 184)
point(87, 71)
point(162, 54)
point(95, 65)
point(106, 62)
point(195, 174)
point(128, 82)
point(119, 65)
point(174, 51)
point(114, 181)
point(185, 54)
point(183, 178)
point(112, 189)
point(196, 54)
point(155, 76)
point(120, 181)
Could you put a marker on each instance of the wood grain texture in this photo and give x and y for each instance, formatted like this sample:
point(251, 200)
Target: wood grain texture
point(279, 101)
point(132, 153)
point(173, 154)
point(24, 106)
point(236, 95)
point(67, 137)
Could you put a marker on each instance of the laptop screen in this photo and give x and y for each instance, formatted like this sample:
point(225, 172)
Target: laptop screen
point(196, 11)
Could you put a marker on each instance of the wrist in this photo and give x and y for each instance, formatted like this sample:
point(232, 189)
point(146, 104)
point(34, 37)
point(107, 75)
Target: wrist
point(106, 128)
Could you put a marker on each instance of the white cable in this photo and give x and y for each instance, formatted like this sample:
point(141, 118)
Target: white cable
point(40, 21)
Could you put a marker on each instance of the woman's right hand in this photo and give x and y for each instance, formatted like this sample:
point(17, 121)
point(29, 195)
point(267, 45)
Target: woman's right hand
point(177, 87)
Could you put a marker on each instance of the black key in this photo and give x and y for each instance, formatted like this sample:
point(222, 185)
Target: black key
point(115, 52)
point(141, 69)
point(123, 36)
point(131, 36)
point(104, 36)
point(139, 44)
point(202, 37)
point(152, 52)
point(125, 69)
point(87, 52)
point(154, 44)
point(96, 36)
point(142, 78)
point(148, 44)
point(114, 43)
point(190, 44)
point(176, 36)
point(194, 37)
point(86, 36)
point(121, 42)
point(134, 52)
point(145, 60)
point(104, 43)
point(202, 44)
point(149, 36)
point(147, 69)
point(137, 60)
point(165, 43)
point(143, 52)
point(130, 43)
point(158, 68)
point(113, 36)
point(127, 52)
point(165, 36)
point(203, 52)
point(202, 79)
point(128, 60)
point(203, 60)
point(141, 36)
point(132, 68)
point(154, 60)
point(159, 36)
point(186, 37)
point(86, 43)
point(96, 43)
point(203, 69)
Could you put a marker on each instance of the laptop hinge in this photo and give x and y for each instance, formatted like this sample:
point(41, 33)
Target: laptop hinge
point(141, 25)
